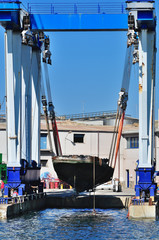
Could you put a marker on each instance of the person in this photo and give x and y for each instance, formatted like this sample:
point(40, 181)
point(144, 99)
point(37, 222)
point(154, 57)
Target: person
point(15, 194)
point(2, 188)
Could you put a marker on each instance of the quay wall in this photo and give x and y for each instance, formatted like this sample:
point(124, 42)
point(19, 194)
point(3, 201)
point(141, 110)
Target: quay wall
point(102, 202)
point(13, 210)
point(20, 208)
point(53, 201)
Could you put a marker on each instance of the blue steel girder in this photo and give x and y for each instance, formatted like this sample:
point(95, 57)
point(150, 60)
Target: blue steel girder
point(79, 22)
point(68, 17)
point(139, 1)
point(105, 16)
point(10, 14)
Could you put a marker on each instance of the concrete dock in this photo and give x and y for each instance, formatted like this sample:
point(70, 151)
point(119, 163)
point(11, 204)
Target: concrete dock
point(57, 198)
point(103, 199)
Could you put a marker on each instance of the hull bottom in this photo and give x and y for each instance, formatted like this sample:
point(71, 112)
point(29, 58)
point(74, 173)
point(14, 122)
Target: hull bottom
point(79, 172)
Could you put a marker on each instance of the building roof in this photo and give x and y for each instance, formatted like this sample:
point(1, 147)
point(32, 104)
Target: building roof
point(68, 125)
point(74, 126)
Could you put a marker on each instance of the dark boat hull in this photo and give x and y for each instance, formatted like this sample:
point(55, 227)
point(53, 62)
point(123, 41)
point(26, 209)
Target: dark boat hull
point(79, 172)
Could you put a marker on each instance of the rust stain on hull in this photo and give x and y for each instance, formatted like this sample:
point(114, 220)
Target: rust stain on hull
point(140, 88)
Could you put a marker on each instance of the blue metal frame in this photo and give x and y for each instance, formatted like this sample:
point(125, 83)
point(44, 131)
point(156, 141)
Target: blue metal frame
point(8, 1)
point(9, 5)
point(10, 14)
point(139, 1)
point(14, 181)
point(13, 174)
point(99, 18)
point(108, 16)
point(146, 181)
point(79, 22)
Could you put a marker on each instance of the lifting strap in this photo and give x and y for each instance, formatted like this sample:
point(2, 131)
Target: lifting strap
point(122, 104)
point(44, 103)
point(52, 114)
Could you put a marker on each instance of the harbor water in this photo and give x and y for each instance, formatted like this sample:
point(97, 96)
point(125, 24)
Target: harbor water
point(77, 224)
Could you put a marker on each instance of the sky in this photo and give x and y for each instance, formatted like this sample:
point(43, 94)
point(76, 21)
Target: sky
point(87, 70)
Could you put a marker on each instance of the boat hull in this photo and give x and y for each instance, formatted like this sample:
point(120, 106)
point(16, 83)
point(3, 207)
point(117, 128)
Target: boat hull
point(79, 172)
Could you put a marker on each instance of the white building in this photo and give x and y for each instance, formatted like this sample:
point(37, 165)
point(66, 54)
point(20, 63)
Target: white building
point(79, 138)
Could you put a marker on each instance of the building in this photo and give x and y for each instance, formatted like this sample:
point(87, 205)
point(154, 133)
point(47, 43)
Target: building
point(92, 137)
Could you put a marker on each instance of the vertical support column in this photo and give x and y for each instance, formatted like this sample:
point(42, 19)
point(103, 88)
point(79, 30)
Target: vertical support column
point(146, 97)
point(13, 87)
point(151, 92)
point(13, 91)
point(146, 112)
point(143, 101)
point(36, 85)
point(26, 62)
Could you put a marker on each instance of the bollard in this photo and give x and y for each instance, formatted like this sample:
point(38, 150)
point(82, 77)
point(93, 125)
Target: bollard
point(56, 185)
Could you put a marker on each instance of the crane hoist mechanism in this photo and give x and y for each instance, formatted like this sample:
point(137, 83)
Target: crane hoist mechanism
point(27, 34)
point(46, 51)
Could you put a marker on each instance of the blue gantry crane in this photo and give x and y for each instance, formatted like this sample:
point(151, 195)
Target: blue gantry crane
point(142, 33)
point(23, 40)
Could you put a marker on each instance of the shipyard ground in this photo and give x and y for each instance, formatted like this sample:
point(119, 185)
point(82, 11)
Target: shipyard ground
point(57, 198)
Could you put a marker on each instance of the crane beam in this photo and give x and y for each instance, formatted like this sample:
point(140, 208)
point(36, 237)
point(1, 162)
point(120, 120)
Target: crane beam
point(79, 22)
point(96, 17)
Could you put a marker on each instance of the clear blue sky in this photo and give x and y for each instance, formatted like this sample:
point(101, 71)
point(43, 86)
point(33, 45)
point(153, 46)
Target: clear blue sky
point(87, 70)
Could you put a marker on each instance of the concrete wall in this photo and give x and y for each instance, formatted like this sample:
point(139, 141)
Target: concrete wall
point(95, 144)
point(128, 158)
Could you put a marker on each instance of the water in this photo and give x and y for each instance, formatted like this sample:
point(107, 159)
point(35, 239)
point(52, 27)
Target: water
point(77, 224)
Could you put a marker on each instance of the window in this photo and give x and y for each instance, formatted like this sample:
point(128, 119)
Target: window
point(43, 163)
point(78, 138)
point(43, 141)
point(132, 142)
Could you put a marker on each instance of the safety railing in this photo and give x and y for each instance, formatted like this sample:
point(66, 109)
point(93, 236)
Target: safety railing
point(101, 114)
point(77, 8)
point(21, 199)
point(138, 201)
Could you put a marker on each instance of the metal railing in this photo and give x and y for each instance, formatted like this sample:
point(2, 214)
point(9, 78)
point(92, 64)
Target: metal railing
point(101, 114)
point(21, 199)
point(77, 8)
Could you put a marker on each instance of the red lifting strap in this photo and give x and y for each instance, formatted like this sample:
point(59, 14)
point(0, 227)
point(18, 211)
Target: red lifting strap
point(119, 136)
